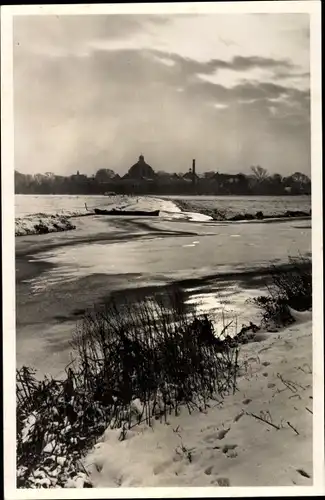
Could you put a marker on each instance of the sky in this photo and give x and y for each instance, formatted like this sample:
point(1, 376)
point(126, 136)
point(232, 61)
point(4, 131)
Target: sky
point(96, 91)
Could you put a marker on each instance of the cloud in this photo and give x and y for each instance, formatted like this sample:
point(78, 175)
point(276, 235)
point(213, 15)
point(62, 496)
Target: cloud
point(237, 63)
point(71, 31)
point(219, 105)
point(165, 60)
point(242, 63)
point(93, 92)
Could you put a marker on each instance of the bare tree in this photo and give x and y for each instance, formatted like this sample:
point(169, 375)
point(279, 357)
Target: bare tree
point(260, 173)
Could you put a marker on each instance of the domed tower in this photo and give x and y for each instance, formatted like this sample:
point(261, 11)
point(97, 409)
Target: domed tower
point(141, 170)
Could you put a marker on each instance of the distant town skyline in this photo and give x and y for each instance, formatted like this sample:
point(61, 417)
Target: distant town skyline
point(97, 91)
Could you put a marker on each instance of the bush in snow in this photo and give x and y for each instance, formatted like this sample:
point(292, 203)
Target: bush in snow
point(138, 363)
point(153, 352)
point(291, 287)
point(51, 417)
point(42, 224)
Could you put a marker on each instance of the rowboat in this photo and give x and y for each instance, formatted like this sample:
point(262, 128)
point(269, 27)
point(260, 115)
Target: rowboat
point(153, 213)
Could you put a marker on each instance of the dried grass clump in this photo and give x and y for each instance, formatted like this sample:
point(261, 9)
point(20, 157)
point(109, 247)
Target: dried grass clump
point(136, 363)
point(154, 352)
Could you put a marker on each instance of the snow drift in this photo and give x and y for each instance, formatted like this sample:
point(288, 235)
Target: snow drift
point(42, 224)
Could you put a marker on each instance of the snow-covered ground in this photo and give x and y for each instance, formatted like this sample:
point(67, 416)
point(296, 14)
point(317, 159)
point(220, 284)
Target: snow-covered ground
point(34, 224)
point(259, 436)
point(61, 204)
point(75, 204)
point(55, 213)
point(233, 205)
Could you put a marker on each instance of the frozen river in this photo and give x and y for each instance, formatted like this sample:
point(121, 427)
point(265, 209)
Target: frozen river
point(59, 276)
point(218, 265)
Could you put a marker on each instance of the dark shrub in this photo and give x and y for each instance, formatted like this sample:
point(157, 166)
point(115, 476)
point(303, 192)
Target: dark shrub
point(290, 286)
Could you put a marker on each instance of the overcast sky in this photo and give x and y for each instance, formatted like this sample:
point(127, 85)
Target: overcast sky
point(97, 91)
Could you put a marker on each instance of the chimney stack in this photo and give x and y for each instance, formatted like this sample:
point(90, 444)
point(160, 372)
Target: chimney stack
point(193, 170)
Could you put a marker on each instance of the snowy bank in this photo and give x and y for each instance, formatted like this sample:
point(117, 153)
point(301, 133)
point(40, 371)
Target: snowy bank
point(168, 209)
point(217, 211)
point(42, 224)
point(53, 219)
point(259, 436)
point(166, 377)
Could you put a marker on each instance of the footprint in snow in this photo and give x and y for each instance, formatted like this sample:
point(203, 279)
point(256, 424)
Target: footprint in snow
point(222, 481)
point(266, 363)
point(216, 435)
point(229, 450)
point(208, 470)
point(247, 401)
point(228, 447)
point(221, 434)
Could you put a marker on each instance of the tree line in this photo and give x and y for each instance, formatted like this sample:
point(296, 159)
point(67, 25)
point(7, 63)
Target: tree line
point(257, 182)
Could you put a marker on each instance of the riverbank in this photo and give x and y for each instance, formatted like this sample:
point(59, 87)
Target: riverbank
point(42, 224)
point(218, 444)
point(217, 268)
point(259, 436)
point(67, 217)
point(228, 215)
point(149, 360)
point(41, 215)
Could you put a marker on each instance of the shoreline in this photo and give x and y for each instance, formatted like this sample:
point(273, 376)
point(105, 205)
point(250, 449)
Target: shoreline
point(248, 442)
point(47, 317)
point(61, 275)
point(220, 215)
point(51, 322)
point(259, 411)
point(44, 223)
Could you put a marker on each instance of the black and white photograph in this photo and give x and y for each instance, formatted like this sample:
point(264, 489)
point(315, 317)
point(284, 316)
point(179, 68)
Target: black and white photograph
point(162, 249)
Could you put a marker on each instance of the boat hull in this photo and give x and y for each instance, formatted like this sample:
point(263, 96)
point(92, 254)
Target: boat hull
point(153, 213)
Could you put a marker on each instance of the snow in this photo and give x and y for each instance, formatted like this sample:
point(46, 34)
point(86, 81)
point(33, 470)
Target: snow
point(170, 257)
point(69, 206)
point(53, 223)
point(233, 205)
point(54, 209)
point(29, 423)
point(61, 461)
point(61, 205)
point(78, 481)
point(168, 209)
point(49, 448)
point(56, 218)
point(228, 444)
